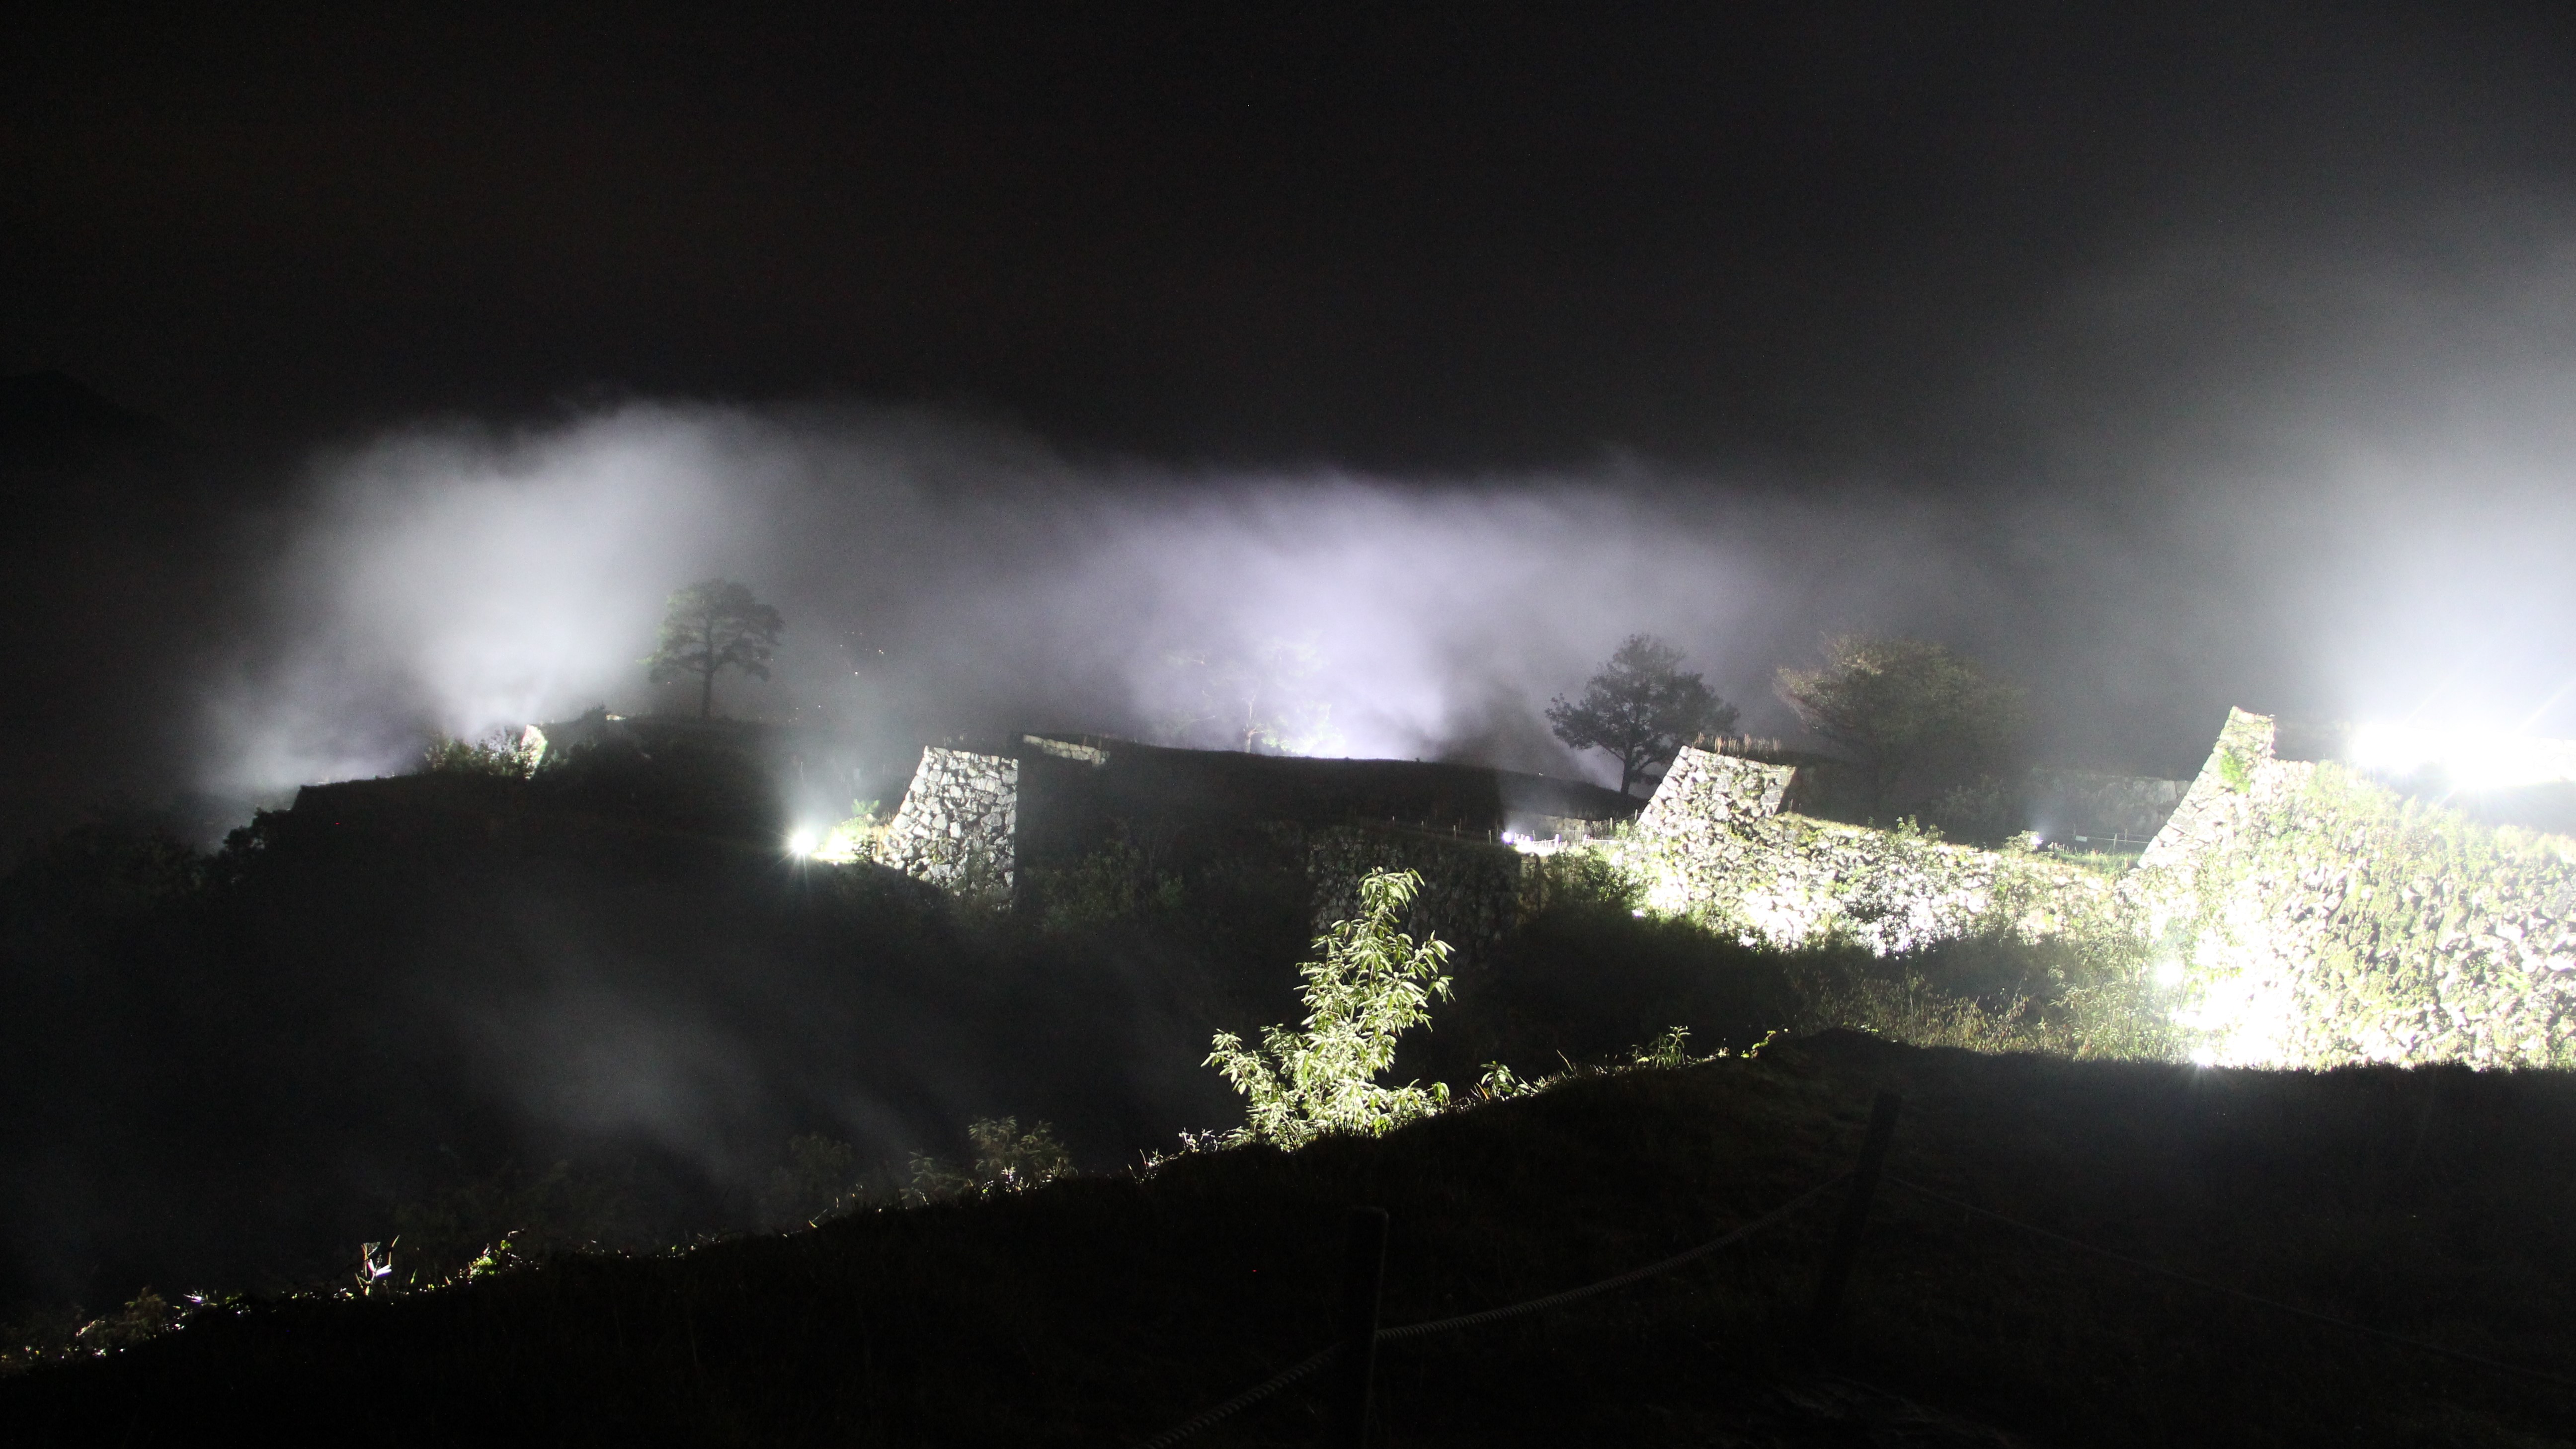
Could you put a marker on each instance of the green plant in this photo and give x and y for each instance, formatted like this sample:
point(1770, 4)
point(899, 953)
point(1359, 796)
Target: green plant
point(2236, 768)
point(1006, 1160)
point(1670, 1049)
point(1368, 985)
point(499, 755)
point(2086, 992)
point(1583, 878)
point(856, 838)
point(819, 1179)
point(1500, 1083)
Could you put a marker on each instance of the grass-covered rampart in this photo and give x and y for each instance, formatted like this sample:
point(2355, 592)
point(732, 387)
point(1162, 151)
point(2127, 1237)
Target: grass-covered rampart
point(1102, 1309)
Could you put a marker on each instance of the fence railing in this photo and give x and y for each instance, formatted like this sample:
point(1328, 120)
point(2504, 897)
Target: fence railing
point(1353, 1355)
point(1364, 1257)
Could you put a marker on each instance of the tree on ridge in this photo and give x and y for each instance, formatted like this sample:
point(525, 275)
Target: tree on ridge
point(1920, 722)
point(711, 626)
point(1640, 709)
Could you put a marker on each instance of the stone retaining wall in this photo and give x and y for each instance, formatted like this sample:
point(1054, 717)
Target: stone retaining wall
point(1471, 894)
point(958, 827)
point(2318, 918)
point(1713, 845)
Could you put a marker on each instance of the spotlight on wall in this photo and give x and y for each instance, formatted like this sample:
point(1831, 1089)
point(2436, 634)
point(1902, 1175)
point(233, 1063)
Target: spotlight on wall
point(800, 843)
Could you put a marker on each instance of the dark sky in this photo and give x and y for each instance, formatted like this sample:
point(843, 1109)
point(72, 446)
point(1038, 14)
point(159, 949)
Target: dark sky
point(1420, 237)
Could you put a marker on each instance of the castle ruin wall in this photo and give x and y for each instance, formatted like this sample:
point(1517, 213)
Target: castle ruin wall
point(958, 826)
point(1714, 845)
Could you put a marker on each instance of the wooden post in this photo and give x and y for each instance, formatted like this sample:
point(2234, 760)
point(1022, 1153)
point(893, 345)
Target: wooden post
point(1363, 1272)
point(1823, 1319)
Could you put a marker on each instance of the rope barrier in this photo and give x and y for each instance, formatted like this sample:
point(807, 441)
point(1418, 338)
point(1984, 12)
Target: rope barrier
point(1606, 1285)
point(2143, 1266)
point(1308, 1366)
point(1244, 1400)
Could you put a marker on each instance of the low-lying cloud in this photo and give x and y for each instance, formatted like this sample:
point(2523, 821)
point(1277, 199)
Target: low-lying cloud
point(939, 577)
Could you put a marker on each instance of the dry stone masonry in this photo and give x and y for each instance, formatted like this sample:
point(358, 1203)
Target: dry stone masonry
point(2300, 914)
point(1472, 890)
point(958, 827)
point(2318, 918)
point(1713, 845)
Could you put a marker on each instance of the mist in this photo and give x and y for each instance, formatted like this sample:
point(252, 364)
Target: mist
point(2369, 523)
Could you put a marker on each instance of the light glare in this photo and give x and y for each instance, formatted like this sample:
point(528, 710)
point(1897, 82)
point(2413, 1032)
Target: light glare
point(2469, 758)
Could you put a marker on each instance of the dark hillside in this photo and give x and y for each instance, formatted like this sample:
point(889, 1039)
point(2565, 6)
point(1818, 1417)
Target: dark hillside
point(1100, 1310)
point(232, 1071)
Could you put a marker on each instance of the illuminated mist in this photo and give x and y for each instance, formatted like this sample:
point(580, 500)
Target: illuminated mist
point(939, 578)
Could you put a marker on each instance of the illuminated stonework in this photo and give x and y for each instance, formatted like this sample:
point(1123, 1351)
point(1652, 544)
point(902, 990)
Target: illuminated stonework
point(1713, 845)
point(2327, 919)
point(958, 827)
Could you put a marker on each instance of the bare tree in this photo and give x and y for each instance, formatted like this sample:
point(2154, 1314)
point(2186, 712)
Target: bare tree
point(711, 626)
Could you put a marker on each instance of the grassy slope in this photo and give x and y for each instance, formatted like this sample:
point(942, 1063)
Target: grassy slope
point(1101, 1309)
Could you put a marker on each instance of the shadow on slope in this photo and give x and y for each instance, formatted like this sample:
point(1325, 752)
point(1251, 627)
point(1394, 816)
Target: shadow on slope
point(1105, 1308)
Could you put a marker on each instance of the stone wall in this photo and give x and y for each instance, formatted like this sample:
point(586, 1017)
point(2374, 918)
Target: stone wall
point(2306, 915)
point(958, 827)
point(1713, 845)
point(2316, 917)
point(2103, 811)
point(1472, 889)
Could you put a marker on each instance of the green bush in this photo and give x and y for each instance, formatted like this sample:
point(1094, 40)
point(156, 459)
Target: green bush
point(1581, 879)
point(2070, 995)
point(821, 1178)
point(1368, 985)
point(499, 756)
point(1006, 1160)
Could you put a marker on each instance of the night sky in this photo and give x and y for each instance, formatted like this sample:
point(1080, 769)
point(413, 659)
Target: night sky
point(1443, 238)
point(2142, 273)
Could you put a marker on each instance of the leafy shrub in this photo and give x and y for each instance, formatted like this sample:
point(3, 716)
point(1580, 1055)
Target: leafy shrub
point(1006, 1160)
point(1369, 984)
point(1669, 1049)
point(857, 837)
point(819, 1179)
point(2072, 995)
point(497, 756)
point(1577, 880)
